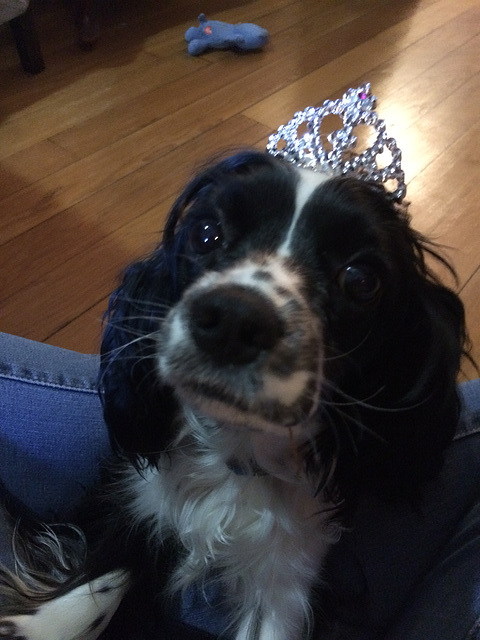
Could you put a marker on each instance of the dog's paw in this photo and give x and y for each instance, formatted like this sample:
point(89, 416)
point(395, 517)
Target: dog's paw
point(80, 614)
point(8, 629)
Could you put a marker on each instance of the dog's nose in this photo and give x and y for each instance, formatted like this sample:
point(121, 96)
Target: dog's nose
point(234, 324)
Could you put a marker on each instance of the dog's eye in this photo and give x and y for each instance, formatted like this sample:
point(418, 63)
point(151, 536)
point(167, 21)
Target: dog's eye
point(205, 236)
point(360, 282)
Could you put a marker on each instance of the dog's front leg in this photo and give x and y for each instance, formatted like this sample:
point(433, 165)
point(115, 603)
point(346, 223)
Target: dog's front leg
point(80, 614)
point(266, 628)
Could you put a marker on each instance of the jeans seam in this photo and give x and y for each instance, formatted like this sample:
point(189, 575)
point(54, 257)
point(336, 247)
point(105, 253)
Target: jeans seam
point(28, 378)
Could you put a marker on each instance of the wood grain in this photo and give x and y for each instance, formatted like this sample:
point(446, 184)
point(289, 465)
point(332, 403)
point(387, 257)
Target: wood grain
point(93, 150)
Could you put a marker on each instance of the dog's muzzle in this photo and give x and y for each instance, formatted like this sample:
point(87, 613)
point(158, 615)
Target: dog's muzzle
point(244, 347)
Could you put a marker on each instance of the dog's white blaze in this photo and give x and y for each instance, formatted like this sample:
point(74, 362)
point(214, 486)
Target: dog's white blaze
point(177, 335)
point(309, 181)
point(288, 389)
point(243, 274)
point(177, 330)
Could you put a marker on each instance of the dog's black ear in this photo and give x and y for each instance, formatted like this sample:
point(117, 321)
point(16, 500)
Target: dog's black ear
point(426, 410)
point(139, 408)
point(398, 397)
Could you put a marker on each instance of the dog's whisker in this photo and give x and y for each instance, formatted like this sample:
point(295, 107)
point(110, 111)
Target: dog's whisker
point(117, 355)
point(348, 419)
point(345, 427)
point(345, 354)
point(349, 400)
point(139, 304)
point(127, 325)
point(126, 345)
point(364, 402)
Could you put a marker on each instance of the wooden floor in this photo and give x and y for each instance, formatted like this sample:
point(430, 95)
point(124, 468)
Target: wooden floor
point(93, 150)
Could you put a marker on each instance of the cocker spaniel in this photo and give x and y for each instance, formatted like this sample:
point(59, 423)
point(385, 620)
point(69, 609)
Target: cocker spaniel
point(284, 350)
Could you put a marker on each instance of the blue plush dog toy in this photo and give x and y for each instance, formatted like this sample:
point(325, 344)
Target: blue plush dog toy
point(213, 34)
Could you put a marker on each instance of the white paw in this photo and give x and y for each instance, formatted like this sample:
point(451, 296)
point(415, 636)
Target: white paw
point(81, 614)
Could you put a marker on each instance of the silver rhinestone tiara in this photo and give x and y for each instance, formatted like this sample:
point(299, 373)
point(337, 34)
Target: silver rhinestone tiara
point(305, 149)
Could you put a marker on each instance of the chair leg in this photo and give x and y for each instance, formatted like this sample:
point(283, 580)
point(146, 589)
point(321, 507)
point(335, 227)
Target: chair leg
point(27, 43)
point(87, 23)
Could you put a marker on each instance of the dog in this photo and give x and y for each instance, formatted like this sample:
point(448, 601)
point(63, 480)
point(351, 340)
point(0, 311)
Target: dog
point(284, 351)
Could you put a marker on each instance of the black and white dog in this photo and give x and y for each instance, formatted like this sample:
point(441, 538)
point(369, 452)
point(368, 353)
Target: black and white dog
point(284, 350)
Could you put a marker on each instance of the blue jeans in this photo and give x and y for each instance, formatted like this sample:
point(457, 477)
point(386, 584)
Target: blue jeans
point(396, 574)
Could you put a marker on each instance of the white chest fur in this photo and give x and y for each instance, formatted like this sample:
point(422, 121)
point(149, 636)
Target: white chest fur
point(265, 537)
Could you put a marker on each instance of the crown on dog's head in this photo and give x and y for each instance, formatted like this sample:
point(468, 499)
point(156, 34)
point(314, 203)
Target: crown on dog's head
point(356, 107)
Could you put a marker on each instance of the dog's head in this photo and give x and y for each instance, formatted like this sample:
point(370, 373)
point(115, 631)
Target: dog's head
point(286, 302)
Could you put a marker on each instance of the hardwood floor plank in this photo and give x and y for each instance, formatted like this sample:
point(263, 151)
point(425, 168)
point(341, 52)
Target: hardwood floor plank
point(454, 23)
point(31, 165)
point(71, 230)
point(102, 78)
point(445, 202)
point(133, 115)
point(89, 96)
point(83, 333)
point(83, 266)
point(224, 70)
point(440, 126)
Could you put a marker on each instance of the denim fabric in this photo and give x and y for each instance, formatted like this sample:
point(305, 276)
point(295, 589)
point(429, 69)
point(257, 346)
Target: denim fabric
point(445, 603)
point(396, 574)
point(52, 433)
point(390, 555)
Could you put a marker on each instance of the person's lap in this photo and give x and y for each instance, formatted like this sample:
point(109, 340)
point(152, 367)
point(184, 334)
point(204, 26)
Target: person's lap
point(52, 433)
point(396, 574)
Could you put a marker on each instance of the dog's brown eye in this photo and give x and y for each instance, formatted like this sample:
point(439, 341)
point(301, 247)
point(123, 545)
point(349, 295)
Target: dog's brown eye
point(205, 236)
point(360, 282)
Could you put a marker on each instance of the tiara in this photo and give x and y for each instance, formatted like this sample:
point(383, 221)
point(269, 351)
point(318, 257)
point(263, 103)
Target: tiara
point(356, 107)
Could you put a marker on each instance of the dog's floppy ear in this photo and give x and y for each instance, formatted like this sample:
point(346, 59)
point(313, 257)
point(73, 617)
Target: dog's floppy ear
point(402, 378)
point(436, 340)
point(139, 408)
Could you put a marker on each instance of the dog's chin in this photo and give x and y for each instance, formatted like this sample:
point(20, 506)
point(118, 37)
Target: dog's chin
point(292, 423)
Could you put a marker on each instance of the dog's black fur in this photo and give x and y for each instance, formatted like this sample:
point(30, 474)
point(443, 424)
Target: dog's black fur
point(392, 339)
point(400, 354)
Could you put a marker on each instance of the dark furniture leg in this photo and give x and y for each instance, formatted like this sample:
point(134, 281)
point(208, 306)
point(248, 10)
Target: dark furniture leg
point(27, 43)
point(87, 23)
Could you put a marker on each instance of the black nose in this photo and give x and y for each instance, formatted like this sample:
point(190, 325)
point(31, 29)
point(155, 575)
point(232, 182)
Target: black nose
point(234, 324)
